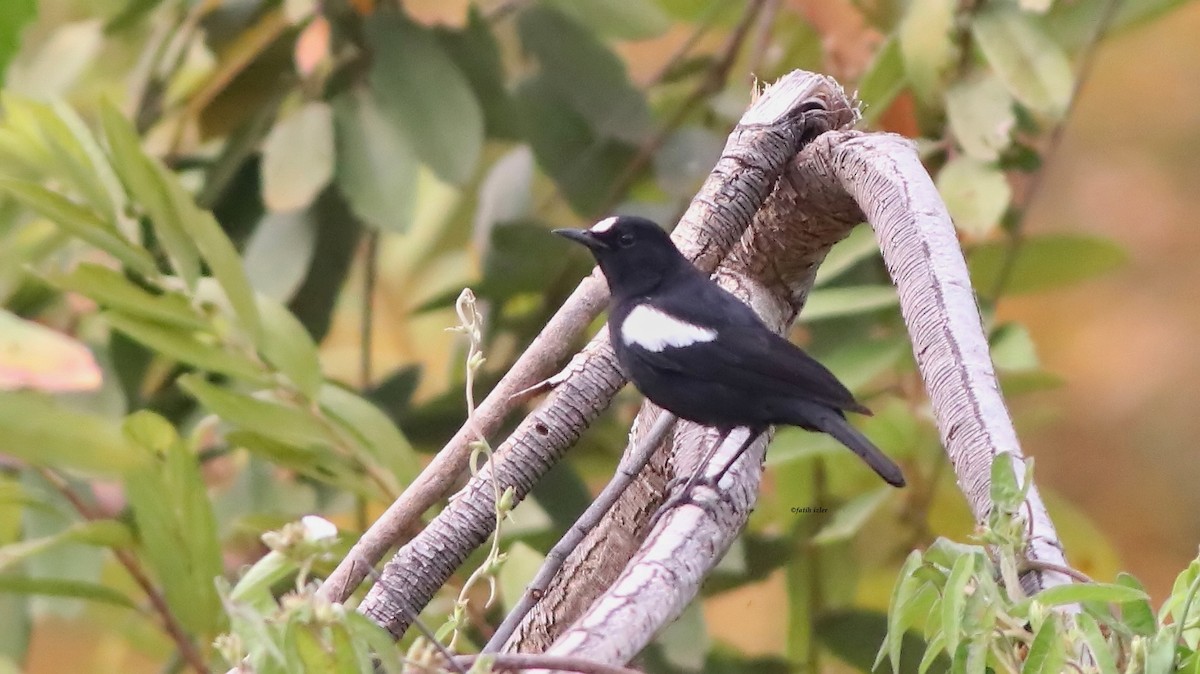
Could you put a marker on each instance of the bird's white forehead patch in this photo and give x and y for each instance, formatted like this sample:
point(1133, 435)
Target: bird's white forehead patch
point(604, 225)
point(656, 330)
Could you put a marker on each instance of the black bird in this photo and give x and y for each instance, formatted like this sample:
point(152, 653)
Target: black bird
point(697, 351)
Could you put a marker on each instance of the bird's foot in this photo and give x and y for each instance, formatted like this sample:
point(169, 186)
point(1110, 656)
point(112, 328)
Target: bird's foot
point(693, 489)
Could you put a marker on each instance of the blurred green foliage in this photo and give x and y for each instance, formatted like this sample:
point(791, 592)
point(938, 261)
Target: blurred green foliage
point(231, 234)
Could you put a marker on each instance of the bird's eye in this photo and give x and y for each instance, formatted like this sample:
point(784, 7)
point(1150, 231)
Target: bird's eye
point(625, 240)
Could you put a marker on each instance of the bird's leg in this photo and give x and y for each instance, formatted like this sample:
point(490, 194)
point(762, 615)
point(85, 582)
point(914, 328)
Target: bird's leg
point(751, 436)
point(680, 495)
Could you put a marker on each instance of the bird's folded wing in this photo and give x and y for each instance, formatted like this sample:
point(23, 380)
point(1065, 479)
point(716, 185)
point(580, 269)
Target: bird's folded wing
point(754, 359)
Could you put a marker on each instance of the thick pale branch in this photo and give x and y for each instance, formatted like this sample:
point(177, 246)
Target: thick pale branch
point(789, 113)
point(884, 175)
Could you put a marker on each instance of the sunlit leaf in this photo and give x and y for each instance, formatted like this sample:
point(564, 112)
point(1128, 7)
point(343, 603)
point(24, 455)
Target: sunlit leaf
point(504, 195)
point(279, 253)
point(36, 357)
point(1047, 654)
point(297, 159)
point(378, 435)
point(287, 345)
point(883, 80)
point(199, 350)
point(104, 533)
point(56, 587)
point(419, 87)
point(78, 221)
point(980, 112)
point(976, 194)
point(17, 14)
point(1039, 262)
point(1013, 349)
point(287, 423)
point(38, 430)
point(856, 247)
point(144, 182)
point(376, 163)
point(1031, 65)
point(834, 302)
point(850, 518)
point(60, 59)
point(1102, 651)
point(112, 290)
point(175, 522)
point(318, 462)
point(926, 46)
point(1136, 613)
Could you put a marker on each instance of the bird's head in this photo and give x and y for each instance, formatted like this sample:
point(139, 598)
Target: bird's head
point(634, 253)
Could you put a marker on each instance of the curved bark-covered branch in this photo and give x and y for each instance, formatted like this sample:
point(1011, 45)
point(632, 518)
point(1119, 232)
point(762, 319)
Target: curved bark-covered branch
point(788, 114)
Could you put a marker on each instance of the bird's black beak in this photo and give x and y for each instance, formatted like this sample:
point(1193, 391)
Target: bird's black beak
point(583, 236)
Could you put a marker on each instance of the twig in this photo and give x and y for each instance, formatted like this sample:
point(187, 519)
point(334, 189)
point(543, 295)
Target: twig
point(1039, 565)
point(183, 642)
point(555, 662)
point(626, 473)
point(367, 319)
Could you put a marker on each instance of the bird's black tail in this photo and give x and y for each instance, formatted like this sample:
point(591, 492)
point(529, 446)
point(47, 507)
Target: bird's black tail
point(832, 422)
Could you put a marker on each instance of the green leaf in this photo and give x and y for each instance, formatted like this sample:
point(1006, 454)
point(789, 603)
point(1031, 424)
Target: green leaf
point(297, 158)
point(286, 423)
point(903, 594)
point(103, 533)
point(1030, 63)
point(38, 430)
point(954, 600)
point(32, 356)
point(318, 462)
point(1047, 653)
point(924, 34)
point(1045, 262)
point(883, 80)
point(835, 302)
point(980, 112)
point(1013, 349)
point(477, 53)
point(279, 253)
point(1080, 592)
point(1102, 651)
point(857, 363)
point(976, 194)
point(285, 344)
point(845, 631)
point(419, 87)
point(504, 195)
point(934, 654)
point(112, 290)
point(17, 15)
point(59, 587)
point(584, 73)
point(218, 251)
point(851, 517)
point(143, 181)
point(1136, 613)
point(373, 429)
point(175, 522)
point(79, 221)
point(187, 346)
point(620, 19)
point(567, 148)
point(845, 254)
point(376, 163)
point(1006, 494)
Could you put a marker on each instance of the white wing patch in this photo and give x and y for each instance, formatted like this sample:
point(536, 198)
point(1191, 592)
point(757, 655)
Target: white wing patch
point(655, 330)
point(604, 225)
